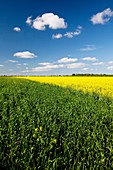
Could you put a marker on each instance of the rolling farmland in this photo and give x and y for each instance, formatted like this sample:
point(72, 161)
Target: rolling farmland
point(45, 126)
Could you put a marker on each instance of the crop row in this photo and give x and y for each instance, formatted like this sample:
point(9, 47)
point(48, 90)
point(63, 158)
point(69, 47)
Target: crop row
point(48, 127)
point(100, 85)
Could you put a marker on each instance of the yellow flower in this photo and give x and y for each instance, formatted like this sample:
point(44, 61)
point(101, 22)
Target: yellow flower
point(99, 85)
point(54, 141)
point(36, 129)
point(34, 135)
point(40, 128)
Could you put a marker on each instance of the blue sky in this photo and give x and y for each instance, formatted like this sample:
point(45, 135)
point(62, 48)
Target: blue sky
point(51, 37)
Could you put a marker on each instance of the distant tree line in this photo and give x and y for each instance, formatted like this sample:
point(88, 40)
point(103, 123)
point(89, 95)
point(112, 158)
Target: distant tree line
point(101, 75)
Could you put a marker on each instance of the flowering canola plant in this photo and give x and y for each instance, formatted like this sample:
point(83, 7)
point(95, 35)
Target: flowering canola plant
point(48, 127)
point(100, 85)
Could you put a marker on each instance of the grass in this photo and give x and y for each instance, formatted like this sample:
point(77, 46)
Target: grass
point(48, 127)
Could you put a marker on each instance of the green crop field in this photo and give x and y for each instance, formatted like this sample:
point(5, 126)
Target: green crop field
point(48, 127)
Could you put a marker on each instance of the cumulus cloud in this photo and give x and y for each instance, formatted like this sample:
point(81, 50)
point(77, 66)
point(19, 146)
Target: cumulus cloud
point(25, 54)
point(98, 63)
point(17, 29)
point(48, 19)
point(88, 48)
point(57, 36)
point(67, 60)
point(102, 17)
point(1, 65)
point(29, 20)
point(89, 59)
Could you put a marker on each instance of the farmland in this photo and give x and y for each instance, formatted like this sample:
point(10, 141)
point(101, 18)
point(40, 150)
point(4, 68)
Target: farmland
point(100, 85)
point(48, 127)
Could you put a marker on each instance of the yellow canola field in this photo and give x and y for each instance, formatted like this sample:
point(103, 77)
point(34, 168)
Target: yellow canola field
point(100, 85)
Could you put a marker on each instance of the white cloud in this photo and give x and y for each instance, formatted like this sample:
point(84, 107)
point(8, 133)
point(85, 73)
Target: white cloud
point(25, 54)
point(49, 67)
point(43, 68)
point(102, 17)
point(57, 36)
point(29, 20)
point(12, 61)
point(17, 29)
point(75, 33)
point(67, 60)
point(1, 65)
point(76, 65)
point(98, 63)
point(68, 34)
point(44, 63)
point(88, 48)
point(110, 62)
point(85, 69)
point(89, 59)
point(24, 64)
point(48, 19)
point(110, 68)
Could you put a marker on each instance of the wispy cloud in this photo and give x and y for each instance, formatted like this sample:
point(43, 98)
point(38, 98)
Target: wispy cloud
point(67, 60)
point(25, 64)
point(48, 19)
point(76, 65)
point(85, 69)
point(18, 64)
point(11, 70)
point(68, 34)
point(1, 65)
point(89, 59)
point(17, 29)
point(57, 36)
point(110, 68)
point(43, 68)
point(13, 61)
point(25, 54)
point(102, 17)
point(88, 48)
point(49, 67)
point(98, 63)
point(110, 62)
point(45, 63)
point(75, 33)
